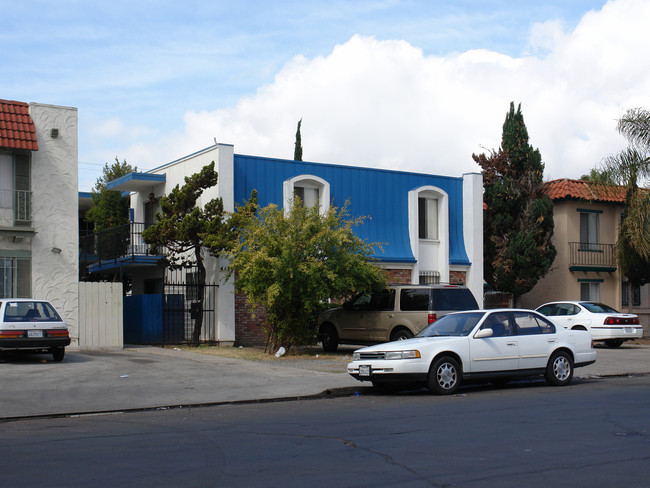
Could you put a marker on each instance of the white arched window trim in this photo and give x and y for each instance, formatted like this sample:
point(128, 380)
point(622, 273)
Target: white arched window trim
point(306, 181)
point(441, 243)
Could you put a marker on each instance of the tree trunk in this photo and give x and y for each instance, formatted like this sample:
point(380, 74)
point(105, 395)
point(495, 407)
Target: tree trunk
point(198, 324)
point(630, 298)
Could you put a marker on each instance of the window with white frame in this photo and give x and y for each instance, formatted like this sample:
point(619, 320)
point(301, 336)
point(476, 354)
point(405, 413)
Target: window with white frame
point(311, 190)
point(590, 291)
point(308, 195)
point(428, 218)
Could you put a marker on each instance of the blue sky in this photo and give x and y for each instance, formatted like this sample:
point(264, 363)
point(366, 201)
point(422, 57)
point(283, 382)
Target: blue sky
point(378, 83)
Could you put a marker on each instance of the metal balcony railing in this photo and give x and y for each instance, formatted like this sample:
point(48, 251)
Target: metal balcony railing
point(116, 243)
point(587, 256)
point(15, 208)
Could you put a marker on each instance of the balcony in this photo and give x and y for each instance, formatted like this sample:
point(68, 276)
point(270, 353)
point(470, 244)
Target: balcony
point(15, 208)
point(585, 256)
point(117, 248)
point(16, 214)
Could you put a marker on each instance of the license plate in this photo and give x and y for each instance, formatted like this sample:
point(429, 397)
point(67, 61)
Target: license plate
point(34, 333)
point(628, 330)
point(364, 370)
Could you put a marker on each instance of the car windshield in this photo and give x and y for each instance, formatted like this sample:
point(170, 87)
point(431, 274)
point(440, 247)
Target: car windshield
point(598, 307)
point(457, 324)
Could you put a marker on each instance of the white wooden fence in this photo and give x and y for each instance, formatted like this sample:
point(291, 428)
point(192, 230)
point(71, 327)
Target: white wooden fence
point(100, 316)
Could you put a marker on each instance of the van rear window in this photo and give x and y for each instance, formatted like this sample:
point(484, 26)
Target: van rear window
point(414, 299)
point(453, 299)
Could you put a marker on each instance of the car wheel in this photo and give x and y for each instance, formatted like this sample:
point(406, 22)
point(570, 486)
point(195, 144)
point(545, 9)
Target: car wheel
point(559, 370)
point(329, 338)
point(444, 376)
point(401, 335)
point(614, 342)
point(58, 353)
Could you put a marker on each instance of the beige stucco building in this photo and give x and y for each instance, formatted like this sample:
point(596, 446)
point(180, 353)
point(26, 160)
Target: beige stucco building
point(586, 226)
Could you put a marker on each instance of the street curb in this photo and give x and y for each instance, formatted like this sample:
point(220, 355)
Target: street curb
point(329, 393)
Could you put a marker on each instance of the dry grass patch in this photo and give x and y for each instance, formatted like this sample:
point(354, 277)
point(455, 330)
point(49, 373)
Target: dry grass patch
point(314, 353)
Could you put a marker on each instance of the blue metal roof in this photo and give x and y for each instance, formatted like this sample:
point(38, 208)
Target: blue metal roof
point(135, 181)
point(381, 195)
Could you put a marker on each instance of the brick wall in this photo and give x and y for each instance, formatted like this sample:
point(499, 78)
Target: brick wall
point(457, 278)
point(249, 330)
point(398, 276)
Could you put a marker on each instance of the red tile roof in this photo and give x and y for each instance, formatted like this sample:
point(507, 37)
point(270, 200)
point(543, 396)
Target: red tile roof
point(16, 126)
point(566, 189)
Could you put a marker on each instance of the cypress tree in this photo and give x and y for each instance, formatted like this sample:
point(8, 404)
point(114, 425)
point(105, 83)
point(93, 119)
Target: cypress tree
point(297, 152)
point(518, 216)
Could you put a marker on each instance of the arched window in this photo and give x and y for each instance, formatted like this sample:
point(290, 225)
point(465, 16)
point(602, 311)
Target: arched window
point(429, 229)
point(311, 190)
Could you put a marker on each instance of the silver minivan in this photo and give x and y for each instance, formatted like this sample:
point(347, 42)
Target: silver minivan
point(395, 313)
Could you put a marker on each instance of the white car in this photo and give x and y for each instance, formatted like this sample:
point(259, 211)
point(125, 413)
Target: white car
point(35, 325)
point(602, 321)
point(477, 344)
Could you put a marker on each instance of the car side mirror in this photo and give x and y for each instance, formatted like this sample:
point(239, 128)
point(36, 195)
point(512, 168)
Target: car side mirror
point(483, 333)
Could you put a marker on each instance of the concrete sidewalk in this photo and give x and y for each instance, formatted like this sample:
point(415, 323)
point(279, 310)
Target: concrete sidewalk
point(152, 377)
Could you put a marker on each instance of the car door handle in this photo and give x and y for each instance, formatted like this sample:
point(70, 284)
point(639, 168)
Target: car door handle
point(552, 340)
point(511, 343)
point(391, 315)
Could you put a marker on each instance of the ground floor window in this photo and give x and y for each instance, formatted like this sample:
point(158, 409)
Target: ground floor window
point(429, 277)
point(636, 295)
point(15, 275)
point(590, 291)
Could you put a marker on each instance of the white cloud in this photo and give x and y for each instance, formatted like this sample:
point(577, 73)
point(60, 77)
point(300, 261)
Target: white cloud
point(546, 36)
point(383, 103)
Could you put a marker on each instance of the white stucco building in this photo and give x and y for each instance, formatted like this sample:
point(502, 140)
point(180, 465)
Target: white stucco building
point(39, 243)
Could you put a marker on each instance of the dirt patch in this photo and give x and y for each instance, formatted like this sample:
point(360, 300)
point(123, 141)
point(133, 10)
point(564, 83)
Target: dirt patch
point(312, 358)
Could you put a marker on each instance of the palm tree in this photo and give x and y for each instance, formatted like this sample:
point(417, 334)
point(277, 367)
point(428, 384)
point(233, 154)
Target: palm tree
point(630, 168)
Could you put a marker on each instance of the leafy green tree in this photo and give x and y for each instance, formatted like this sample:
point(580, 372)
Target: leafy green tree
point(182, 227)
point(518, 216)
point(291, 263)
point(631, 168)
point(110, 209)
point(297, 152)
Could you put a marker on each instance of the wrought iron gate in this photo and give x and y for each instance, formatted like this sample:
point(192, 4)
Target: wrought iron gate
point(180, 311)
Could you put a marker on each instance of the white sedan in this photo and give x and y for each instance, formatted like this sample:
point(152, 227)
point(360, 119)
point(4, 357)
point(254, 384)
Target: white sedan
point(602, 321)
point(478, 344)
point(32, 325)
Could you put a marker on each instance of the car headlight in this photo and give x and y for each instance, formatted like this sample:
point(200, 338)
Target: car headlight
point(403, 354)
point(356, 356)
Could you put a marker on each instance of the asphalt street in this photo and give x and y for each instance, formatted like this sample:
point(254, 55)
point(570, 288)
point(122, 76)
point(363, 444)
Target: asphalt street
point(594, 433)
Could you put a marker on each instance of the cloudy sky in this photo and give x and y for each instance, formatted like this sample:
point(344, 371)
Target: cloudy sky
point(414, 85)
